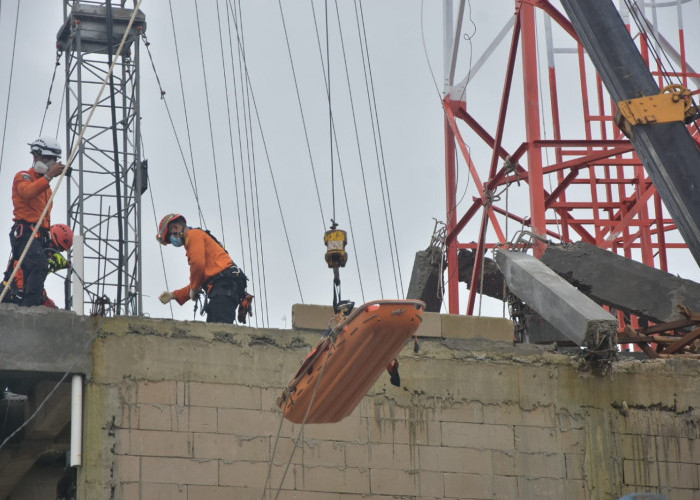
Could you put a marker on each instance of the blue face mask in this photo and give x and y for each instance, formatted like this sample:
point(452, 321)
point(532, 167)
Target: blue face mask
point(176, 240)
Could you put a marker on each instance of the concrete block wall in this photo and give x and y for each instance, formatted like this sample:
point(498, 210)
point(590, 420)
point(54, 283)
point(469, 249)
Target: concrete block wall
point(188, 411)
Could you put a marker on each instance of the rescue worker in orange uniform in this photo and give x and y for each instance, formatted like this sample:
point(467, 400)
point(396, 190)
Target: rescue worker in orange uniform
point(211, 270)
point(61, 239)
point(31, 192)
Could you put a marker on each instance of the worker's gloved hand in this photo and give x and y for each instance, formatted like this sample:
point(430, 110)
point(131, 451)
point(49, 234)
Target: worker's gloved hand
point(166, 297)
point(193, 294)
point(57, 262)
point(55, 170)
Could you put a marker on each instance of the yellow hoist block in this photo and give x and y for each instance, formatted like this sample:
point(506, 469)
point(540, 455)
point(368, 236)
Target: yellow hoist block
point(673, 104)
point(336, 240)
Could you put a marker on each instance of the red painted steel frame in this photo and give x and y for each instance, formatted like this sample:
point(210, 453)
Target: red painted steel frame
point(621, 211)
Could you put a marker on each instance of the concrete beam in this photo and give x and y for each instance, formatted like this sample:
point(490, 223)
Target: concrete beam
point(623, 283)
point(46, 340)
point(426, 279)
point(572, 313)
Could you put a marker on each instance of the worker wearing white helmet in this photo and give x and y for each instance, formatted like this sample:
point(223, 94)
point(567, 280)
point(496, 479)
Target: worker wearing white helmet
point(31, 192)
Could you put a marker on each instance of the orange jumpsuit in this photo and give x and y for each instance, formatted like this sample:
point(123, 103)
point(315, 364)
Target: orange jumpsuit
point(30, 194)
point(206, 258)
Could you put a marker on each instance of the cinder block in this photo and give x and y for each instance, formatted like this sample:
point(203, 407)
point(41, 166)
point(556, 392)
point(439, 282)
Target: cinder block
point(164, 393)
point(230, 447)
point(473, 485)
point(505, 487)
point(127, 491)
point(311, 317)
point(202, 419)
point(537, 487)
point(180, 418)
point(638, 447)
point(513, 414)
point(575, 464)
point(479, 436)
point(128, 468)
point(683, 476)
point(247, 422)
point(154, 417)
point(244, 474)
point(431, 484)
point(529, 464)
point(477, 327)
point(431, 326)
point(678, 449)
point(309, 495)
point(472, 412)
point(394, 482)
point(351, 428)
point(179, 471)
point(446, 459)
point(222, 493)
point(404, 431)
point(155, 491)
point(332, 479)
point(160, 443)
point(357, 455)
point(224, 396)
point(537, 440)
point(393, 456)
point(312, 452)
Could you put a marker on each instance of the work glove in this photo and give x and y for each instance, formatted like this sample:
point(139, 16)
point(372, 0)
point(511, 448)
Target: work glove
point(57, 262)
point(193, 294)
point(245, 308)
point(166, 297)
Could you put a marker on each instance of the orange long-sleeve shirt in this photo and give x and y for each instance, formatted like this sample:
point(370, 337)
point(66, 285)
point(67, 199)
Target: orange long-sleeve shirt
point(206, 258)
point(30, 194)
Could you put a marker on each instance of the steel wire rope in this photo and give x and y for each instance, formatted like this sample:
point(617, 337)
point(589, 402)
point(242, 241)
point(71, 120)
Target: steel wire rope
point(342, 177)
point(202, 221)
point(301, 112)
point(246, 128)
point(160, 247)
point(228, 115)
point(48, 99)
point(379, 151)
point(267, 155)
point(191, 177)
point(211, 130)
point(252, 174)
point(245, 132)
point(9, 87)
point(359, 149)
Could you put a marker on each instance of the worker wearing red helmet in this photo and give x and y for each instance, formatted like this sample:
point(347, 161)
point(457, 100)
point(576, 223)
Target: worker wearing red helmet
point(60, 239)
point(31, 192)
point(211, 270)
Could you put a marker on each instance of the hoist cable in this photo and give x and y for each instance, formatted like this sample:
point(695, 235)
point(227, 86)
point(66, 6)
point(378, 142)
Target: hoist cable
point(191, 177)
point(269, 164)
point(379, 149)
point(228, 115)
point(202, 221)
point(359, 149)
point(211, 129)
point(246, 128)
point(342, 177)
point(48, 99)
point(303, 118)
point(9, 87)
point(330, 107)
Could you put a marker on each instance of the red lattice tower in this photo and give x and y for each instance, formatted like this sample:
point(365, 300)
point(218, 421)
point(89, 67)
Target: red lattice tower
point(570, 173)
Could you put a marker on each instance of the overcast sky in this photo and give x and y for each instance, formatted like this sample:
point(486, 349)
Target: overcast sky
point(410, 120)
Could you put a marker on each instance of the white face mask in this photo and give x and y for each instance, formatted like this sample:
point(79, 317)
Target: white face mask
point(41, 167)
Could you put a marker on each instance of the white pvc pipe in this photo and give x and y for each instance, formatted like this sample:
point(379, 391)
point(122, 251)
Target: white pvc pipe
point(76, 421)
point(79, 274)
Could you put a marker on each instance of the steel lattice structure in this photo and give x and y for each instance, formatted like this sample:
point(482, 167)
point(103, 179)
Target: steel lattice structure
point(568, 171)
point(107, 180)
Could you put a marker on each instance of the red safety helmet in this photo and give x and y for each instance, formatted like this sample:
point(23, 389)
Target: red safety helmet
point(162, 235)
point(61, 236)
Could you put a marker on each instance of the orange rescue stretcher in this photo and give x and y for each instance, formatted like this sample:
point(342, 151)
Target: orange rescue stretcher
point(348, 360)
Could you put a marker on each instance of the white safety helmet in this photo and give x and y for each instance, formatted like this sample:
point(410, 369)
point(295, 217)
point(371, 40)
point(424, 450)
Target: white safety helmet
point(45, 146)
